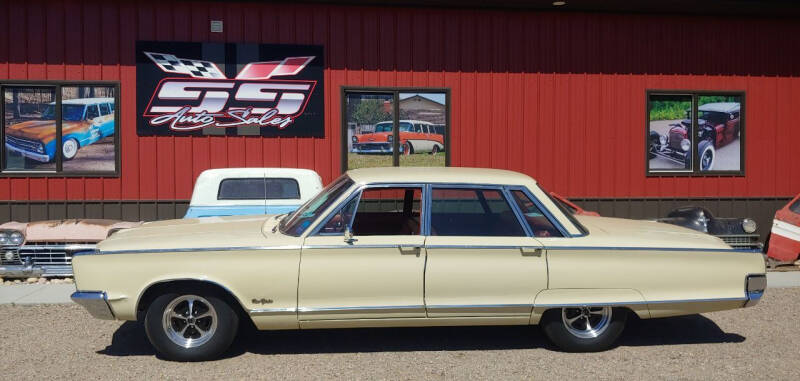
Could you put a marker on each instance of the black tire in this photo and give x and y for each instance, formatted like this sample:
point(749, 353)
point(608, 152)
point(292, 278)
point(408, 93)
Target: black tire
point(554, 327)
point(434, 150)
point(218, 341)
point(707, 155)
point(654, 142)
point(408, 149)
point(687, 160)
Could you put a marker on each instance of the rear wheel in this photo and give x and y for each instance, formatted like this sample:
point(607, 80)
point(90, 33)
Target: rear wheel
point(190, 327)
point(584, 329)
point(434, 150)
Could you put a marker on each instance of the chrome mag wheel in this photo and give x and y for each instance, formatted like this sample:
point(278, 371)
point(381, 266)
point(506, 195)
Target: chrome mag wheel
point(586, 322)
point(190, 321)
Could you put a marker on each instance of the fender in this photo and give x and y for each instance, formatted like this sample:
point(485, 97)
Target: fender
point(565, 297)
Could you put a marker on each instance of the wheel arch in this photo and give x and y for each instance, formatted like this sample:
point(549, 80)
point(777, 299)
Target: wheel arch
point(152, 290)
point(549, 299)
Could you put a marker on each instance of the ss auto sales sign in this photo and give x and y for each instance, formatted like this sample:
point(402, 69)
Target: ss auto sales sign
point(193, 88)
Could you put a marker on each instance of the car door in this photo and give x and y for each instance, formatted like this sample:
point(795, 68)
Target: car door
point(482, 260)
point(367, 260)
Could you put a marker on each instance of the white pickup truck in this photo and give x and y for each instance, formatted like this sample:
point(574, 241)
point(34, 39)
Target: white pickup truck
point(243, 191)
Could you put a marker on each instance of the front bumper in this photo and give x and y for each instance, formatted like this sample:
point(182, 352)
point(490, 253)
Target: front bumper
point(372, 148)
point(96, 302)
point(31, 155)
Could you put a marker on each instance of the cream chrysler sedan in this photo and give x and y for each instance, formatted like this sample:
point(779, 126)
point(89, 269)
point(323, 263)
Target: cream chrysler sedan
point(389, 247)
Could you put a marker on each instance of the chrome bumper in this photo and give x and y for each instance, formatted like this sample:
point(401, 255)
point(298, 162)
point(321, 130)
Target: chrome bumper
point(33, 271)
point(96, 302)
point(372, 148)
point(31, 155)
point(755, 285)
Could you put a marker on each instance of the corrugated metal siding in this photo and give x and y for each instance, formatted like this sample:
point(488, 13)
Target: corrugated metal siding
point(559, 96)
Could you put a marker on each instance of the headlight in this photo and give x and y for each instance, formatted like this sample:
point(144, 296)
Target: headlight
point(355, 139)
point(40, 148)
point(16, 238)
point(3, 238)
point(662, 140)
point(749, 225)
point(390, 138)
point(686, 145)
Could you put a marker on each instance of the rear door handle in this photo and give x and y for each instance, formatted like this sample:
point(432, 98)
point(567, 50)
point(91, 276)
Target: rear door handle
point(531, 251)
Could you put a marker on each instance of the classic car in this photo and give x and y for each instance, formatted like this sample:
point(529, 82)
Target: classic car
point(783, 243)
point(46, 248)
point(737, 232)
point(85, 121)
point(570, 206)
point(243, 191)
point(406, 246)
point(718, 125)
point(416, 136)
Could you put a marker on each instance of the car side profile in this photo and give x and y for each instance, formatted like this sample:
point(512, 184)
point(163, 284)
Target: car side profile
point(248, 191)
point(84, 121)
point(403, 246)
point(416, 136)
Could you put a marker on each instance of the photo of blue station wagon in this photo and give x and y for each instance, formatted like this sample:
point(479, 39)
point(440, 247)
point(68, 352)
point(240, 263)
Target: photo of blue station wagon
point(251, 191)
point(84, 121)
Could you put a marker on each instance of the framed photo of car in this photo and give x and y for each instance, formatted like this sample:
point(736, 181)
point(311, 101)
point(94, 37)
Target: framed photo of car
point(695, 133)
point(60, 128)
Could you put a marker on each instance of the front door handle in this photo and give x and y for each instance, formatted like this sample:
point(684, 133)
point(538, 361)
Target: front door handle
point(531, 251)
point(410, 249)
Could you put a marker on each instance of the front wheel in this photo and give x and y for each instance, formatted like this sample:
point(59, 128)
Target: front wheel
point(584, 329)
point(188, 327)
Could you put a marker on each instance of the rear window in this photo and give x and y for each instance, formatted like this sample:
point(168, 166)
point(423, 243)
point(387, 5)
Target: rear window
point(258, 189)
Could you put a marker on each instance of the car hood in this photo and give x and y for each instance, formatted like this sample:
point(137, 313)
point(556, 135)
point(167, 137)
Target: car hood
point(199, 233)
point(69, 230)
point(42, 130)
point(620, 232)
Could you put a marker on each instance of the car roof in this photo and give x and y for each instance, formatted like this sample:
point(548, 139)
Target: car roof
point(454, 175)
point(85, 101)
point(407, 121)
point(720, 107)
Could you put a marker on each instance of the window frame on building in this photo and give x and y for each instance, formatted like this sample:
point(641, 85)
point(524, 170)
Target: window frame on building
point(57, 86)
point(395, 92)
point(695, 170)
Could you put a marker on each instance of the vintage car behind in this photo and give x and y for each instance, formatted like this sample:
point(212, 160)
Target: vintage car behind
point(783, 244)
point(244, 191)
point(46, 248)
point(737, 232)
point(407, 246)
point(85, 121)
point(416, 136)
point(718, 125)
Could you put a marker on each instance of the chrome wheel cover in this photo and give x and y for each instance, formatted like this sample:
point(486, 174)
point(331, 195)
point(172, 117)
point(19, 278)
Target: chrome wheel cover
point(69, 149)
point(189, 321)
point(586, 322)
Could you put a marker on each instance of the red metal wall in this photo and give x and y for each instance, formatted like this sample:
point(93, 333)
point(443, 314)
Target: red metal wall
point(560, 96)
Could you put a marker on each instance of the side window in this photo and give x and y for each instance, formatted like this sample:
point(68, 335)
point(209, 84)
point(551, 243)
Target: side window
point(540, 225)
point(417, 127)
point(91, 112)
point(472, 212)
point(104, 109)
point(388, 211)
point(111, 106)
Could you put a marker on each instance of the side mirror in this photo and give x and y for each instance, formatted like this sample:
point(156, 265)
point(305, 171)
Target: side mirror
point(348, 235)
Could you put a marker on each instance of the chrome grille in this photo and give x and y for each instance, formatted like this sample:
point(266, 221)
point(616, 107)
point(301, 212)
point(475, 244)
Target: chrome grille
point(675, 139)
point(50, 253)
point(24, 144)
point(742, 241)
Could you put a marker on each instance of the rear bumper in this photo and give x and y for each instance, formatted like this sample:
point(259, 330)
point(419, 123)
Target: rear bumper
point(96, 302)
point(754, 287)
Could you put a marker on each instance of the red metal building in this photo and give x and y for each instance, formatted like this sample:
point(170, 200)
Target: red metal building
point(560, 93)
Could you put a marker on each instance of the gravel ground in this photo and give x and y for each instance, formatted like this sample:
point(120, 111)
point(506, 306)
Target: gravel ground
point(63, 341)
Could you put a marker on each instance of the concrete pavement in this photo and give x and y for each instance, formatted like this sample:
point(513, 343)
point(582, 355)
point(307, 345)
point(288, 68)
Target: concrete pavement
point(59, 293)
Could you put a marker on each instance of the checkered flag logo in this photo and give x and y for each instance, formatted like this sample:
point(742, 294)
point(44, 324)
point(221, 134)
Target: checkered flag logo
point(194, 68)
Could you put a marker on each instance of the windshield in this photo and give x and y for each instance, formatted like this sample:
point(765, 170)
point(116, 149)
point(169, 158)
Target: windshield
point(387, 127)
point(297, 222)
point(68, 112)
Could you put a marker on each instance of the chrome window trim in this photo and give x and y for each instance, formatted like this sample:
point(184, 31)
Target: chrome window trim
point(547, 213)
point(353, 246)
point(358, 192)
point(193, 249)
point(517, 212)
point(498, 247)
